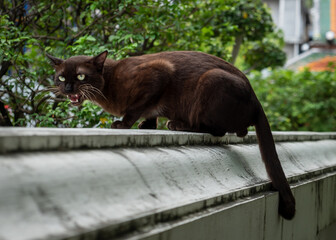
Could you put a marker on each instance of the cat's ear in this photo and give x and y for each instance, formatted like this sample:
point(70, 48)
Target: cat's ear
point(55, 61)
point(99, 60)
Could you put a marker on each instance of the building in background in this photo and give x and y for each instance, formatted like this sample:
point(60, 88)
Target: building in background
point(309, 28)
point(292, 17)
point(324, 14)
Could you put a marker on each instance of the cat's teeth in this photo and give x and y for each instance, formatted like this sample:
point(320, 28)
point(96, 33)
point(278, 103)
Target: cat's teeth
point(74, 98)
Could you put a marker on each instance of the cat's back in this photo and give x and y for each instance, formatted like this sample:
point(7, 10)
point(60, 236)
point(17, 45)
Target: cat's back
point(180, 63)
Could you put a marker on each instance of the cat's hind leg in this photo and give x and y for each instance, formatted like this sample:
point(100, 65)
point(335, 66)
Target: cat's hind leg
point(242, 133)
point(176, 125)
point(216, 132)
point(222, 103)
point(149, 123)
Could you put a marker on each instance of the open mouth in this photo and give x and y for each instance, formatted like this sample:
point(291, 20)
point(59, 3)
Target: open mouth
point(75, 99)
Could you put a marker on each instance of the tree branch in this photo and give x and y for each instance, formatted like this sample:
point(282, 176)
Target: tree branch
point(236, 47)
point(5, 120)
point(4, 68)
point(80, 33)
point(48, 37)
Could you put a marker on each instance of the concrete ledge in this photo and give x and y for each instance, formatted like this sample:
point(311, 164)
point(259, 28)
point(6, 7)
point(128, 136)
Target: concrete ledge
point(170, 186)
point(46, 139)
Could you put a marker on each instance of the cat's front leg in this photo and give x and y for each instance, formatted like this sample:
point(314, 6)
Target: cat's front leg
point(119, 125)
point(128, 120)
point(149, 123)
point(175, 125)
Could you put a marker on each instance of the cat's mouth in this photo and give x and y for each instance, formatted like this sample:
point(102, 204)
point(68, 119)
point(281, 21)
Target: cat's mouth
point(76, 99)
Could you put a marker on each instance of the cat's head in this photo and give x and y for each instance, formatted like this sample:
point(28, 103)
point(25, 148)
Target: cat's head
point(80, 77)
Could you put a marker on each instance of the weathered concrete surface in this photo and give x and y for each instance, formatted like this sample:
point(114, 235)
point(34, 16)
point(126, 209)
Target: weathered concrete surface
point(164, 186)
point(256, 217)
point(42, 139)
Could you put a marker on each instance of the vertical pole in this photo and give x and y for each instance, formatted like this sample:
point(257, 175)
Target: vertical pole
point(298, 28)
point(281, 13)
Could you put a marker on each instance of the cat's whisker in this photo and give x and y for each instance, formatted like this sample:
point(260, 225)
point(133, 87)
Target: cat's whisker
point(83, 93)
point(91, 94)
point(92, 90)
point(96, 90)
point(86, 94)
point(83, 90)
point(54, 90)
point(51, 89)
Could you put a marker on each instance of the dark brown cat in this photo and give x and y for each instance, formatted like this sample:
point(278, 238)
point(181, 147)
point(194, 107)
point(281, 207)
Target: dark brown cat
point(196, 91)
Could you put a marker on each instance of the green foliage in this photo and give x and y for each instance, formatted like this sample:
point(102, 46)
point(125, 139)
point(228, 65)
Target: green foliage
point(265, 52)
point(251, 19)
point(89, 115)
point(298, 101)
point(10, 37)
point(29, 29)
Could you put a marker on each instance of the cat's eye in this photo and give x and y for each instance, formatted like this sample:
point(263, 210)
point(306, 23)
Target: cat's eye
point(61, 78)
point(80, 77)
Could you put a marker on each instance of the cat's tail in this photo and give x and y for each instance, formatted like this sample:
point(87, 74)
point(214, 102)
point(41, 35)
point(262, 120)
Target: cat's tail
point(273, 166)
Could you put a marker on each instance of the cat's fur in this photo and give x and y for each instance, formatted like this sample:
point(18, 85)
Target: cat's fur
point(195, 91)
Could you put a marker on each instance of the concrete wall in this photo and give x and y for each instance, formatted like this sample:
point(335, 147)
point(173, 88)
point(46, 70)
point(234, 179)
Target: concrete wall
point(133, 184)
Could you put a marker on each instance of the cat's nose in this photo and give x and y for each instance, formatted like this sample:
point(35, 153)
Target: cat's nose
point(68, 88)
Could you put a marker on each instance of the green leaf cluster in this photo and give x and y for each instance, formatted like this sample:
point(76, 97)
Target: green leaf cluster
point(65, 116)
point(298, 101)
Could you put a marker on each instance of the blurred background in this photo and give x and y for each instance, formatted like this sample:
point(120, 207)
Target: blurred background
point(286, 48)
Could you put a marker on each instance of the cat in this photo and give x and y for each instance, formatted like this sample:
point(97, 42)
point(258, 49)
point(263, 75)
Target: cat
point(197, 92)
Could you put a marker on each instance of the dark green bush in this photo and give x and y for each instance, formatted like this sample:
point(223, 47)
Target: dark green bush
point(298, 101)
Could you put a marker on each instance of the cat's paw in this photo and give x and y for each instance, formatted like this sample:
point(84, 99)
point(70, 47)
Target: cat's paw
point(170, 125)
point(119, 125)
point(176, 125)
point(242, 133)
point(147, 124)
